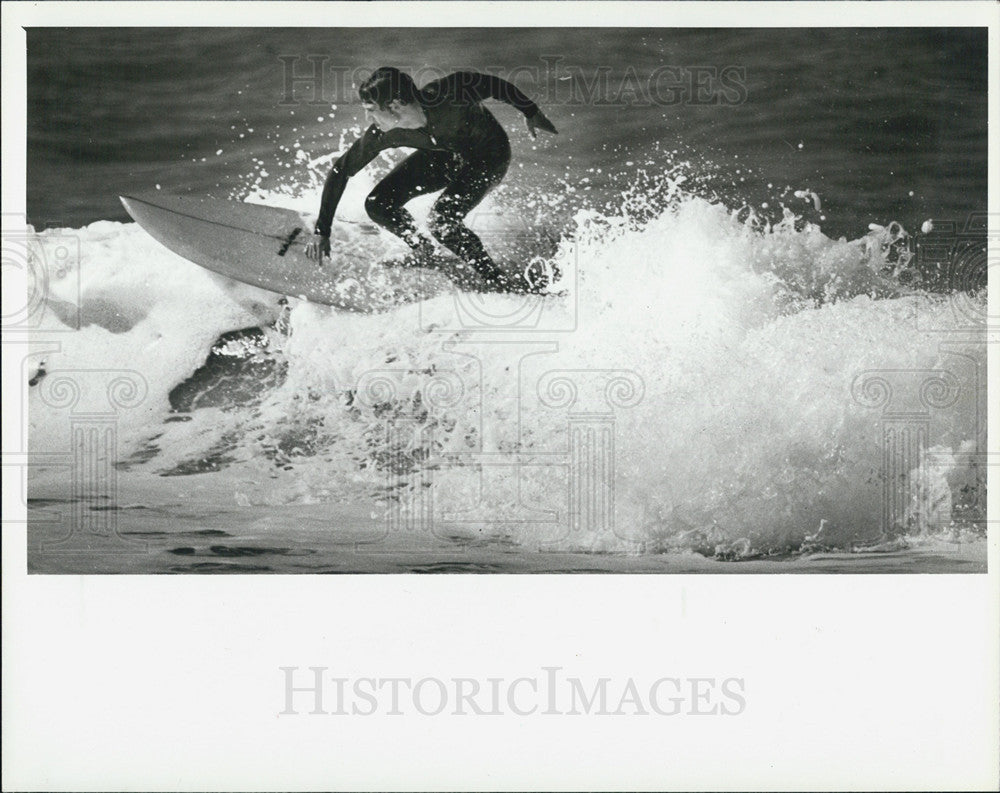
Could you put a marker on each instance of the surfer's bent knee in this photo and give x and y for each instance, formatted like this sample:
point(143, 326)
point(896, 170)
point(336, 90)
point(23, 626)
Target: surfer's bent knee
point(377, 209)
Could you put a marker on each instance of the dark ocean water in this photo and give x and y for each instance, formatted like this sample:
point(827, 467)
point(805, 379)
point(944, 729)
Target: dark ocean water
point(883, 124)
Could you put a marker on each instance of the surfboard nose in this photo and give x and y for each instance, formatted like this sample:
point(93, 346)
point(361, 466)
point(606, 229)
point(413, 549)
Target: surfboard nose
point(137, 208)
point(142, 212)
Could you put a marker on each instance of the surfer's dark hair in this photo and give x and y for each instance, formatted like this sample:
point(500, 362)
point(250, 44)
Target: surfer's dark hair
point(388, 83)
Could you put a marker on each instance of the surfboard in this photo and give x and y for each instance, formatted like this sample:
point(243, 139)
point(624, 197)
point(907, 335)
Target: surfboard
point(265, 247)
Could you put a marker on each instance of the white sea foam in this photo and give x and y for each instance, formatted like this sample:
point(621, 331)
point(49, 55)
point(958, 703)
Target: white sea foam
point(719, 361)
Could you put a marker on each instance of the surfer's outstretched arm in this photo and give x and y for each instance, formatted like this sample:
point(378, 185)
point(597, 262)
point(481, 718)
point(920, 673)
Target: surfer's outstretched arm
point(362, 152)
point(476, 86)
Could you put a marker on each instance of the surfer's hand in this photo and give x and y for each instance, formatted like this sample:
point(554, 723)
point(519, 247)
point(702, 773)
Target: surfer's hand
point(318, 247)
point(539, 121)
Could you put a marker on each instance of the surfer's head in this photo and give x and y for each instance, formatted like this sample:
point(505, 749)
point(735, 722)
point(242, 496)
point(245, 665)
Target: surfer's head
point(389, 97)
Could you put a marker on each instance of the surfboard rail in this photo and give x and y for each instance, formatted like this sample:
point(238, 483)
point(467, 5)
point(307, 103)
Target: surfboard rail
point(264, 246)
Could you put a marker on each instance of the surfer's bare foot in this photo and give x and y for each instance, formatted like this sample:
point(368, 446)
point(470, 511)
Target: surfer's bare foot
point(535, 282)
point(497, 280)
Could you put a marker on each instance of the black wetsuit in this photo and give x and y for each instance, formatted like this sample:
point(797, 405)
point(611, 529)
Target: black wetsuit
point(463, 150)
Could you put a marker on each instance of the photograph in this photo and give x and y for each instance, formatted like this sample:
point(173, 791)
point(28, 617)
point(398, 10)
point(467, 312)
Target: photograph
point(487, 395)
point(512, 300)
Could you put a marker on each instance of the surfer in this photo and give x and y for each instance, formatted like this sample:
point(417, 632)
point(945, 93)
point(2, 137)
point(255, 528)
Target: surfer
point(461, 149)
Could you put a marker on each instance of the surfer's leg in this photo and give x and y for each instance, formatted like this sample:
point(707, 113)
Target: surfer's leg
point(470, 186)
point(420, 173)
